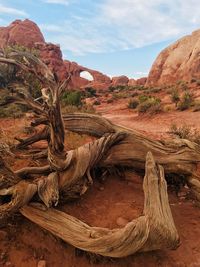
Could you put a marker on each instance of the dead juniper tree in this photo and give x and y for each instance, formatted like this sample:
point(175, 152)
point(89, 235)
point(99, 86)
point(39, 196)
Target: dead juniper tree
point(68, 173)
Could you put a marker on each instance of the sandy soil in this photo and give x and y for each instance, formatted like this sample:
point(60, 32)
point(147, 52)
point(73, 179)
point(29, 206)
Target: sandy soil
point(156, 126)
point(23, 244)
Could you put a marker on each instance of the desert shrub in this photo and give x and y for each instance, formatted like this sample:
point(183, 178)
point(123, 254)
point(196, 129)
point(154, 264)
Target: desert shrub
point(155, 90)
point(133, 103)
point(110, 101)
point(193, 80)
point(119, 95)
point(143, 98)
point(97, 102)
point(185, 132)
point(175, 98)
point(186, 101)
point(83, 109)
point(151, 104)
point(90, 92)
point(111, 89)
point(11, 111)
point(72, 98)
point(141, 87)
point(134, 94)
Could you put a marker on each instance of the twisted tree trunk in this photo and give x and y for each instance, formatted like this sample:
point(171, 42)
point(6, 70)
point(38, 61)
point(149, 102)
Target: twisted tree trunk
point(154, 230)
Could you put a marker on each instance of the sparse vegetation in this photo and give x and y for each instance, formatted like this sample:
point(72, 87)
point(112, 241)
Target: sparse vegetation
point(150, 104)
point(72, 98)
point(90, 92)
point(133, 103)
point(97, 102)
point(11, 111)
point(185, 131)
point(83, 109)
point(186, 101)
point(110, 100)
point(175, 96)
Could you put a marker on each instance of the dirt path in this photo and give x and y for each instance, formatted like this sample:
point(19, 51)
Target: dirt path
point(156, 126)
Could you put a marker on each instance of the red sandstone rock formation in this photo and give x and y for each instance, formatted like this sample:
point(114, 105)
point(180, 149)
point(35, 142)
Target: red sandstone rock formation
point(132, 82)
point(179, 61)
point(120, 80)
point(141, 81)
point(27, 33)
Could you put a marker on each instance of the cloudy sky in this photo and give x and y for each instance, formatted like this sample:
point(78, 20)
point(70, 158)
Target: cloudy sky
point(113, 36)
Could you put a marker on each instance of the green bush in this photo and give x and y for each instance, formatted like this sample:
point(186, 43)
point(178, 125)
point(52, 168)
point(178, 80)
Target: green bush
point(133, 103)
point(175, 96)
point(143, 98)
point(90, 92)
point(97, 102)
point(151, 104)
point(186, 101)
point(72, 98)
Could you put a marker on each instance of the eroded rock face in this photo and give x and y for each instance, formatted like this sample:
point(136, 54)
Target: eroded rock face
point(120, 80)
point(179, 61)
point(132, 82)
point(25, 33)
point(141, 81)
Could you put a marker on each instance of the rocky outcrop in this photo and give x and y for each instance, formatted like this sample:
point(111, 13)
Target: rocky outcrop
point(25, 33)
point(179, 61)
point(120, 80)
point(141, 81)
point(132, 82)
point(100, 80)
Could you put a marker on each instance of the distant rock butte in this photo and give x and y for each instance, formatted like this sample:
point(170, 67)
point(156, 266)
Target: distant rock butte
point(179, 61)
point(120, 80)
point(27, 33)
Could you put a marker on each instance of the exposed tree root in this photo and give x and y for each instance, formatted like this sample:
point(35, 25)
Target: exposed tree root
point(154, 230)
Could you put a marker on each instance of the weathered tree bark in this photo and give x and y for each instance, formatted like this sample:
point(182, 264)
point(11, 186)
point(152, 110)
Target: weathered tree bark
point(179, 157)
point(154, 230)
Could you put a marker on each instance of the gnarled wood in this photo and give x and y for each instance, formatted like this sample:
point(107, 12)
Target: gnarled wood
point(154, 230)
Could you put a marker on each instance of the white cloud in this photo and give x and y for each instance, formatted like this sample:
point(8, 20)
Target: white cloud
point(12, 11)
point(120, 25)
point(60, 2)
point(51, 28)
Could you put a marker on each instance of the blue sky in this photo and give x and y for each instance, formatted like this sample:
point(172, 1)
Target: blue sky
point(113, 36)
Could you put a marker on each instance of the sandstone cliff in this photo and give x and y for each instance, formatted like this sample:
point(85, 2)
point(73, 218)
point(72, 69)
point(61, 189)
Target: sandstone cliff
point(179, 61)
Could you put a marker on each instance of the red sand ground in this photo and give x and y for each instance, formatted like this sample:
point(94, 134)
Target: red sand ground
point(23, 244)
